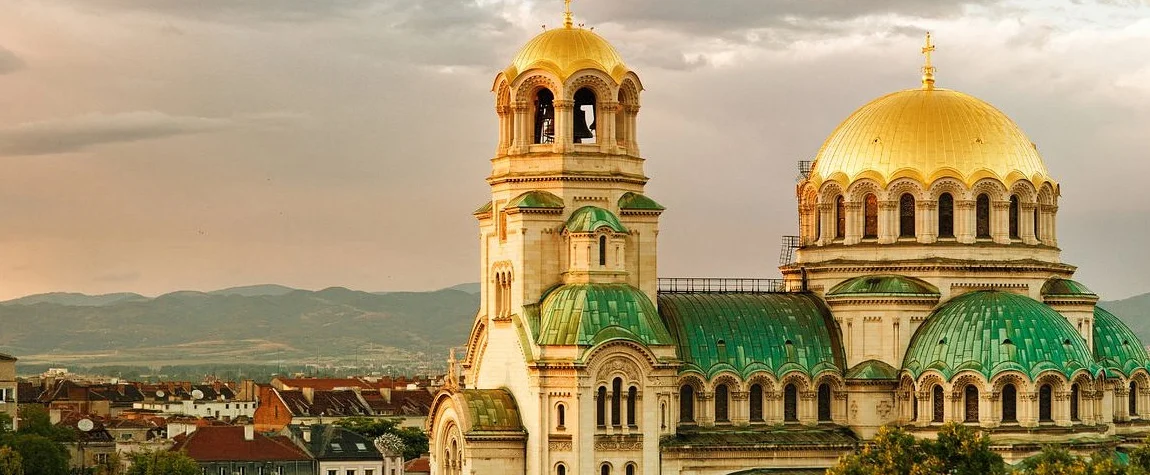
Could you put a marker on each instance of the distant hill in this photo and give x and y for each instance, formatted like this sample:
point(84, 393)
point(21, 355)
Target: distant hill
point(249, 324)
point(1135, 311)
point(471, 288)
point(75, 299)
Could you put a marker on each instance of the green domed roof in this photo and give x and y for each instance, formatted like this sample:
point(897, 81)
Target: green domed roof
point(744, 333)
point(637, 202)
point(884, 284)
point(1116, 347)
point(872, 370)
point(1065, 287)
point(535, 200)
point(589, 314)
point(492, 410)
point(993, 331)
point(589, 219)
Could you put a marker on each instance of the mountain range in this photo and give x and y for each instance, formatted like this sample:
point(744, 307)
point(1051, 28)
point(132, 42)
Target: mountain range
point(264, 324)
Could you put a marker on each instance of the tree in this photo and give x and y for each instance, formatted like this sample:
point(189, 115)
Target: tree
point(10, 462)
point(893, 451)
point(962, 450)
point(162, 462)
point(959, 450)
point(414, 440)
point(40, 455)
point(35, 420)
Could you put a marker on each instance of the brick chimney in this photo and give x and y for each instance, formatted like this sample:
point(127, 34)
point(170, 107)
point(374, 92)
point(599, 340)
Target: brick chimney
point(309, 394)
point(305, 432)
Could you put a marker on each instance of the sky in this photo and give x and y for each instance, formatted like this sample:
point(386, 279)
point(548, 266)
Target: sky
point(159, 145)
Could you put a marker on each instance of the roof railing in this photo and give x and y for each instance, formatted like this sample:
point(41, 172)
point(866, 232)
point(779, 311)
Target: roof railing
point(679, 285)
point(804, 170)
point(787, 250)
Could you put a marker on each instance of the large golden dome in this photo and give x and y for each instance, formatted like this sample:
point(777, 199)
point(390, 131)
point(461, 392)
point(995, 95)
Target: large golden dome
point(564, 51)
point(927, 134)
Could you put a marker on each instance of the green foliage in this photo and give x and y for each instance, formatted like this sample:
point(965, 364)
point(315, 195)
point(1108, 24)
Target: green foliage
point(959, 450)
point(1058, 461)
point(35, 420)
point(162, 462)
point(11, 463)
point(415, 441)
point(40, 455)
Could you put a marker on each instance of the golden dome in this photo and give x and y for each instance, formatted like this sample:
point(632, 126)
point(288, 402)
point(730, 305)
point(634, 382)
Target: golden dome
point(564, 51)
point(927, 134)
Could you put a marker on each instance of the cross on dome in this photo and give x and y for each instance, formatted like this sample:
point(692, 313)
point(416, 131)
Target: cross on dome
point(567, 14)
point(927, 69)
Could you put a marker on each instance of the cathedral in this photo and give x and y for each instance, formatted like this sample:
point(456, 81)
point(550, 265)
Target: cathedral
point(924, 286)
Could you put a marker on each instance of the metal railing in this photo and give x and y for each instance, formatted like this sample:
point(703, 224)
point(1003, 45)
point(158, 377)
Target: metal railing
point(787, 251)
point(679, 285)
point(804, 169)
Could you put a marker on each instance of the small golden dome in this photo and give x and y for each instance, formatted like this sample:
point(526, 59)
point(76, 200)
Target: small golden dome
point(927, 134)
point(564, 51)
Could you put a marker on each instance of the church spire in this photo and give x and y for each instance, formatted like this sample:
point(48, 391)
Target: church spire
point(567, 22)
point(928, 68)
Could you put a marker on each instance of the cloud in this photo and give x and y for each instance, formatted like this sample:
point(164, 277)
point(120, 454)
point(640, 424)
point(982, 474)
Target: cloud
point(236, 10)
point(79, 133)
point(9, 62)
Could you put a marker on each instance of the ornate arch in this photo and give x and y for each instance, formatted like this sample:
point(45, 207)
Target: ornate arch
point(836, 382)
point(949, 185)
point(860, 188)
point(618, 365)
point(502, 95)
point(694, 380)
point(637, 351)
point(1055, 379)
point(728, 378)
point(1019, 380)
point(764, 379)
point(830, 190)
point(527, 88)
point(593, 80)
point(801, 381)
point(992, 187)
point(967, 378)
point(929, 380)
point(1025, 191)
point(1046, 194)
point(897, 188)
point(476, 342)
point(629, 92)
point(1141, 378)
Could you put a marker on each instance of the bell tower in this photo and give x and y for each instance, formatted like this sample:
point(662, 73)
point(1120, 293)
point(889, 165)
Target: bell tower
point(567, 182)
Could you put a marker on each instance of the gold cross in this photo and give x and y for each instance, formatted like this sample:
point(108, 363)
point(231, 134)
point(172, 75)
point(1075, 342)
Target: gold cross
point(928, 68)
point(567, 13)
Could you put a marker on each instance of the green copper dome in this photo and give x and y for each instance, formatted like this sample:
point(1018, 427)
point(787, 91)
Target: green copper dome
point(589, 314)
point(1065, 287)
point(536, 200)
point(884, 284)
point(492, 410)
point(1116, 347)
point(744, 333)
point(993, 331)
point(873, 370)
point(638, 202)
point(589, 219)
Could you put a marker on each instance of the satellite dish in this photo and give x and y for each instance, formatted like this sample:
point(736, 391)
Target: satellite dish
point(159, 394)
point(85, 425)
point(197, 394)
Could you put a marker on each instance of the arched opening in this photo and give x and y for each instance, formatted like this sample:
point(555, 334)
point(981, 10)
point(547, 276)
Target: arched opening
point(913, 405)
point(544, 130)
point(722, 400)
point(756, 403)
point(621, 119)
point(946, 216)
point(1045, 412)
point(663, 415)
point(1014, 217)
point(824, 402)
point(938, 404)
point(790, 403)
point(1037, 228)
point(605, 470)
point(840, 217)
point(560, 469)
point(561, 416)
point(601, 407)
point(630, 469)
point(1009, 403)
point(603, 250)
point(982, 216)
point(970, 398)
point(870, 215)
point(585, 114)
point(687, 404)
point(632, 397)
point(616, 401)
point(906, 216)
point(1074, 402)
point(1132, 399)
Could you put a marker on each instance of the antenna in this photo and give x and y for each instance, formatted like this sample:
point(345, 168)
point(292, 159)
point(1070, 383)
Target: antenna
point(85, 425)
point(197, 394)
point(160, 393)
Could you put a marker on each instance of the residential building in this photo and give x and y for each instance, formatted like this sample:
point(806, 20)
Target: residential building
point(339, 451)
point(240, 450)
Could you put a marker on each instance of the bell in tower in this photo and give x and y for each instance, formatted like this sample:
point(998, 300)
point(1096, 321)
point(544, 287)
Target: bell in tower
point(544, 117)
point(584, 99)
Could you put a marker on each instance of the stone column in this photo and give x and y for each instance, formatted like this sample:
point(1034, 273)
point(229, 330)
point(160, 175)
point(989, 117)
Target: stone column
point(739, 409)
point(964, 217)
point(926, 221)
point(986, 415)
point(705, 410)
point(1028, 408)
point(522, 135)
point(773, 407)
point(808, 408)
point(854, 223)
point(1051, 234)
point(1061, 408)
point(632, 128)
point(605, 126)
point(1000, 221)
point(564, 111)
point(826, 223)
point(1026, 222)
point(888, 228)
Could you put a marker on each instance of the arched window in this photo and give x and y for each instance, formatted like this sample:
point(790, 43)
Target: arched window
point(601, 407)
point(584, 116)
point(605, 469)
point(1037, 228)
point(840, 218)
point(906, 215)
point(722, 414)
point(824, 402)
point(790, 403)
point(663, 415)
point(602, 250)
point(616, 399)
point(686, 404)
point(621, 120)
point(560, 469)
point(970, 397)
point(936, 396)
point(630, 470)
point(1074, 402)
point(561, 412)
point(1014, 217)
point(1132, 400)
point(1009, 403)
point(1045, 393)
point(870, 214)
point(632, 397)
point(544, 117)
point(946, 216)
point(913, 405)
point(982, 216)
point(756, 403)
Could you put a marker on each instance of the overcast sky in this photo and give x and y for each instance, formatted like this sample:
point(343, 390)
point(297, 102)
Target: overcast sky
point(156, 145)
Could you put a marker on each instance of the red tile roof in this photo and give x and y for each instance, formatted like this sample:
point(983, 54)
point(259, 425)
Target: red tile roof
point(226, 443)
point(422, 464)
